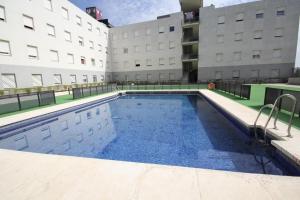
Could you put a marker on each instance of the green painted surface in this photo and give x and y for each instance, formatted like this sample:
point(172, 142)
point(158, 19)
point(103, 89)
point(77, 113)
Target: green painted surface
point(257, 101)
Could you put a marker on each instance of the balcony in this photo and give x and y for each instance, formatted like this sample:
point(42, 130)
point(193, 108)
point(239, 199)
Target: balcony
point(191, 17)
point(190, 40)
point(189, 57)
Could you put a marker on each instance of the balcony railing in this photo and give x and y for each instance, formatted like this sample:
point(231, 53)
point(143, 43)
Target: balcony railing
point(189, 56)
point(191, 17)
point(190, 39)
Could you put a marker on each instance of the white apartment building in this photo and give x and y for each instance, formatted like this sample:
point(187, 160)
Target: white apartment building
point(49, 42)
point(149, 51)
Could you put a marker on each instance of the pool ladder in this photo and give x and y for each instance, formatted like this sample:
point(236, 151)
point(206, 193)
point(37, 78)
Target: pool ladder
point(274, 108)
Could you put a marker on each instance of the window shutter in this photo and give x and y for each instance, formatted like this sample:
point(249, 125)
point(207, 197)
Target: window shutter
point(28, 21)
point(4, 47)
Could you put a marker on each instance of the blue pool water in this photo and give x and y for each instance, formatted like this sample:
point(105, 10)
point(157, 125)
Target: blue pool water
point(181, 130)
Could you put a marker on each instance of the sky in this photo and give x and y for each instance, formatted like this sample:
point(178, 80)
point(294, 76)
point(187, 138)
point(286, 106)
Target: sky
point(122, 12)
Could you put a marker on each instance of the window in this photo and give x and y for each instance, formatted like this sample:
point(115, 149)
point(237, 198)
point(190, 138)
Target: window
point(256, 54)
point(65, 13)
point(73, 79)
point(101, 63)
point(136, 33)
point(148, 47)
point(171, 45)
point(221, 20)
point(98, 31)
point(78, 20)
point(2, 14)
point(90, 26)
point(57, 79)
point(220, 38)
point(80, 41)
point(258, 35)
point(106, 50)
point(161, 76)
point(5, 48)
point(99, 47)
point(102, 77)
point(137, 77)
point(91, 44)
point(238, 37)
point(93, 61)
point(172, 61)
point(236, 74)
point(218, 75)
point(48, 4)
point(126, 64)
point(54, 56)
point(114, 36)
point(172, 28)
point(37, 80)
point(32, 52)
point(172, 76)
point(28, 22)
point(149, 62)
point(275, 73)
point(277, 53)
point(161, 29)
point(260, 14)
point(51, 30)
point(70, 58)
point(239, 17)
point(160, 46)
point(8, 81)
point(95, 78)
point(148, 31)
point(137, 63)
point(278, 32)
point(280, 12)
point(68, 36)
point(106, 36)
point(82, 60)
point(237, 56)
point(125, 50)
point(161, 61)
point(136, 49)
point(254, 73)
point(219, 57)
point(125, 35)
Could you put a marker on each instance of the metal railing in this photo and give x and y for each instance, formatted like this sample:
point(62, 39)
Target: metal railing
point(18, 102)
point(277, 102)
point(93, 90)
point(236, 88)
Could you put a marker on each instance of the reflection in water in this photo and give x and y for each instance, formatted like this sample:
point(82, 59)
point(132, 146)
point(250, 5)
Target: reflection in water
point(164, 129)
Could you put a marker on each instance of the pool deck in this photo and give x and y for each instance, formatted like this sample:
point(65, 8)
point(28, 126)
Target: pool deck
point(39, 176)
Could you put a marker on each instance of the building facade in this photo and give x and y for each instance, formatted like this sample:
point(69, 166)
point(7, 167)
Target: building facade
point(149, 51)
point(255, 40)
point(52, 42)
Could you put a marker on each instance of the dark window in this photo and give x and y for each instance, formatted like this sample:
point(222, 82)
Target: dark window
point(280, 13)
point(259, 15)
point(137, 65)
point(172, 28)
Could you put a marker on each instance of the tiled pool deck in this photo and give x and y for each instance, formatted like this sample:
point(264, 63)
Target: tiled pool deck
point(38, 176)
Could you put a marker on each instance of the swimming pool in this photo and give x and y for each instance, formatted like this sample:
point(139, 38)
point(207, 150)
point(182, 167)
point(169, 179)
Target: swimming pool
point(181, 130)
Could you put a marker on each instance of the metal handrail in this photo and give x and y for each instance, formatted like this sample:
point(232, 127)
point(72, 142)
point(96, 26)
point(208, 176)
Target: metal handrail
point(277, 111)
point(259, 114)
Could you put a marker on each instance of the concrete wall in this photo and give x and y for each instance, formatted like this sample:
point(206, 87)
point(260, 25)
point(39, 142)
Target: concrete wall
point(210, 31)
point(140, 35)
point(12, 30)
